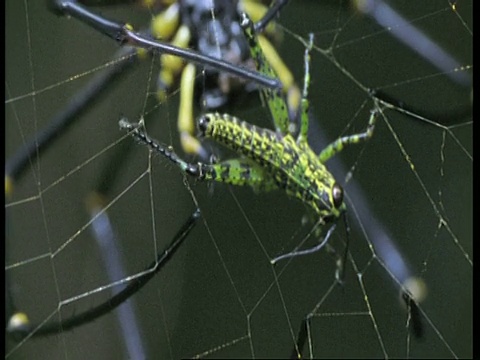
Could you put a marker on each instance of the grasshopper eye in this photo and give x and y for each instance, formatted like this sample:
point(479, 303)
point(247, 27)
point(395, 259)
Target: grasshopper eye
point(337, 195)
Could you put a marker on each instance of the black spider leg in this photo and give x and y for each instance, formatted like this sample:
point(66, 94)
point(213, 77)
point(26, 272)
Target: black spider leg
point(61, 121)
point(136, 285)
point(123, 34)
point(273, 11)
point(15, 166)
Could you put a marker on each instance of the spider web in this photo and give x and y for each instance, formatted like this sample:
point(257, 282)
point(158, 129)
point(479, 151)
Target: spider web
point(219, 296)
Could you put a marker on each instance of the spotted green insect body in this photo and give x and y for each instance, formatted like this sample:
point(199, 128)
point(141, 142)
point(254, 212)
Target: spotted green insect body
point(277, 162)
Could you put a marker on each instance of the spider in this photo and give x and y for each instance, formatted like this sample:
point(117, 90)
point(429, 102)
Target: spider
point(213, 29)
point(193, 24)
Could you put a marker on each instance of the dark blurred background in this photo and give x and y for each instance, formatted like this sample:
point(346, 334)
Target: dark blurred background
point(219, 295)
